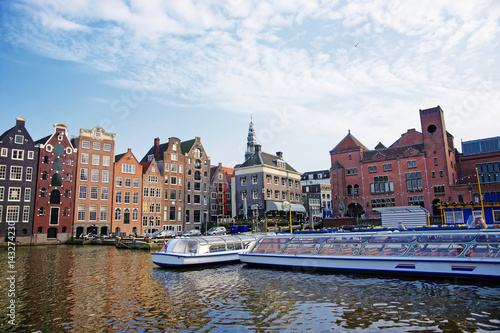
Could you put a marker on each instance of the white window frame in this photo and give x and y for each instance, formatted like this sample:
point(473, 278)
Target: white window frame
point(12, 191)
point(16, 170)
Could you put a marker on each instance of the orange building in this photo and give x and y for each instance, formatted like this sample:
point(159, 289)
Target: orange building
point(127, 202)
point(94, 176)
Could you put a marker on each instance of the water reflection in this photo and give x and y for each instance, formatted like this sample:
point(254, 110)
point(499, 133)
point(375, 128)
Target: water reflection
point(102, 289)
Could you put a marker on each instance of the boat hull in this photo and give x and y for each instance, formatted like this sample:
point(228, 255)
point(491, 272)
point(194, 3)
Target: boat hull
point(465, 268)
point(176, 260)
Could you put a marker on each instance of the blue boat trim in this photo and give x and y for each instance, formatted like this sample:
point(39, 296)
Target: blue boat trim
point(406, 266)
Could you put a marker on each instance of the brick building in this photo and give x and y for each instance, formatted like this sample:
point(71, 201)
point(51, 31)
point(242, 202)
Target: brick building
point(417, 169)
point(54, 204)
point(127, 199)
point(220, 193)
point(18, 174)
point(94, 175)
point(152, 196)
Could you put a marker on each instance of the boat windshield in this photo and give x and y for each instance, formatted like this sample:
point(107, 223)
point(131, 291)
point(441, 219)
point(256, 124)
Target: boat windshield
point(271, 244)
point(308, 240)
point(458, 238)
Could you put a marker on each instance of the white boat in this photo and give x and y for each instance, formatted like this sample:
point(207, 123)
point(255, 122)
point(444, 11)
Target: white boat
point(471, 254)
point(203, 250)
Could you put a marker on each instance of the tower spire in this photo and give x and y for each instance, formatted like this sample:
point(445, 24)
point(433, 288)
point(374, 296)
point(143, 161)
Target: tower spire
point(251, 140)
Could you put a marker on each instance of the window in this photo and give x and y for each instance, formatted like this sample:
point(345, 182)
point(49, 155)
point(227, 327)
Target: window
point(5, 152)
point(381, 184)
point(435, 161)
point(118, 197)
point(118, 214)
point(197, 153)
point(388, 167)
point(29, 174)
point(136, 183)
point(17, 154)
point(96, 159)
point(84, 174)
point(439, 190)
point(411, 164)
point(31, 154)
point(96, 145)
point(105, 176)
point(95, 175)
point(173, 180)
point(45, 160)
point(383, 202)
point(43, 192)
point(67, 193)
point(351, 171)
point(12, 214)
point(197, 199)
point(128, 168)
point(128, 182)
point(3, 171)
point(243, 195)
point(254, 179)
point(14, 194)
point(135, 214)
point(197, 164)
point(107, 147)
point(41, 211)
point(135, 198)
point(19, 139)
point(372, 168)
point(417, 200)
point(85, 158)
point(243, 181)
point(2, 194)
point(414, 181)
point(82, 194)
point(126, 197)
point(173, 157)
point(255, 194)
point(145, 192)
point(104, 213)
point(173, 194)
point(93, 213)
point(68, 177)
point(26, 213)
point(119, 181)
point(94, 192)
point(174, 168)
point(16, 172)
point(82, 212)
point(104, 193)
point(27, 194)
point(172, 216)
point(106, 160)
point(197, 186)
point(86, 144)
point(196, 216)
point(69, 162)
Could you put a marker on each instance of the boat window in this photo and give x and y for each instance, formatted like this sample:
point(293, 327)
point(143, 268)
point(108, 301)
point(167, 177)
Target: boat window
point(348, 239)
point(393, 239)
point(487, 238)
point(274, 240)
point(230, 247)
point(217, 248)
point(339, 249)
point(436, 250)
point(301, 248)
point(192, 247)
point(268, 247)
point(386, 250)
point(308, 240)
point(180, 246)
point(446, 238)
point(484, 251)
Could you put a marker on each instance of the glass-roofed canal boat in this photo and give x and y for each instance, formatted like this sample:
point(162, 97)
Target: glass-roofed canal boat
point(202, 250)
point(462, 253)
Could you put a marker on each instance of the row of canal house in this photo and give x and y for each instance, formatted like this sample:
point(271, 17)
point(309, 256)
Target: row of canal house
point(58, 187)
point(421, 168)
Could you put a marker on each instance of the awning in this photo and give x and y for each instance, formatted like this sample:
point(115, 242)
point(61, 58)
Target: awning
point(295, 208)
point(274, 206)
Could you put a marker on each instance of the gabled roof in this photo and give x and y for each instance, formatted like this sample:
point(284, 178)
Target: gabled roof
point(163, 147)
point(43, 140)
point(336, 166)
point(187, 145)
point(410, 137)
point(262, 158)
point(119, 156)
point(380, 146)
point(349, 141)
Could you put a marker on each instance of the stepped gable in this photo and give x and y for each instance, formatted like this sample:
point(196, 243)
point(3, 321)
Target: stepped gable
point(349, 141)
point(409, 138)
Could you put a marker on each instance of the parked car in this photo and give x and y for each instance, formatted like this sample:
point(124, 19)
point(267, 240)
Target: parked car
point(216, 231)
point(163, 233)
point(191, 233)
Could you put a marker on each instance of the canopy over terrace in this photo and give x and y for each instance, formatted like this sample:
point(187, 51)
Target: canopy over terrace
point(411, 216)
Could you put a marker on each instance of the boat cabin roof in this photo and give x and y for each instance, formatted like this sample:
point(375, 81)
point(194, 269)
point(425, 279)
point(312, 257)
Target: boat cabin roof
point(198, 242)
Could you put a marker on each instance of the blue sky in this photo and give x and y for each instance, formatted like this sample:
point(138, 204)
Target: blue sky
point(308, 71)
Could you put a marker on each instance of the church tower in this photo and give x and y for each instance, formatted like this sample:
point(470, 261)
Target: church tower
point(251, 141)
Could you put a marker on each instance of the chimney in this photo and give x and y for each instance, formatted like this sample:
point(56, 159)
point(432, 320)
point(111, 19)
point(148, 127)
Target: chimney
point(157, 148)
point(20, 121)
point(279, 154)
point(258, 148)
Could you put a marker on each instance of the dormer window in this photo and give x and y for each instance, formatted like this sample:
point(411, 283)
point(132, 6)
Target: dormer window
point(281, 164)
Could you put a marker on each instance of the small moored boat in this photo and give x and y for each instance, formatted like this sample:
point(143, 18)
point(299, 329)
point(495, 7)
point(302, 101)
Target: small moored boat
point(202, 250)
point(471, 254)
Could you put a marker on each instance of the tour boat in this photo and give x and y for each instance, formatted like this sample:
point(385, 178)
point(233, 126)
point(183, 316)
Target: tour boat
point(464, 253)
point(202, 250)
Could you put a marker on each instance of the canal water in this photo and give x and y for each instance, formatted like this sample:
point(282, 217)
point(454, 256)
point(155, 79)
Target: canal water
point(102, 289)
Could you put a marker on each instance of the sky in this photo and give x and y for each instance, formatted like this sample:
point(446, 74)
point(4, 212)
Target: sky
point(307, 72)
